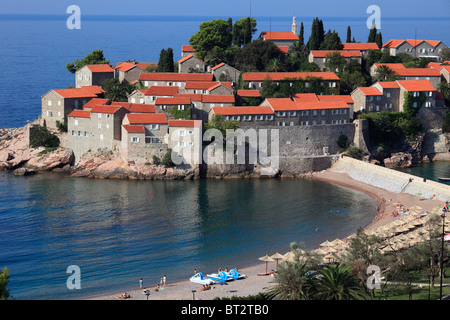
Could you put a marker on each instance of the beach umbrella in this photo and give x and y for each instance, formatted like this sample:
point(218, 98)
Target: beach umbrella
point(266, 259)
point(326, 244)
point(277, 256)
point(289, 256)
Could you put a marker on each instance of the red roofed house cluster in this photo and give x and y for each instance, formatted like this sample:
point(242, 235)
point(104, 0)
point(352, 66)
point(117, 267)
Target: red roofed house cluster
point(168, 110)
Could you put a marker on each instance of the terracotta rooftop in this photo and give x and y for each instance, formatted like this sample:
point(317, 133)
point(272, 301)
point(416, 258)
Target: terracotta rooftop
point(249, 93)
point(83, 92)
point(173, 101)
point(80, 114)
point(279, 76)
point(416, 85)
point(134, 129)
point(200, 85)
point(361, 46)
point(370, 91)
point(305, 97)
point(101, 68)
point(217, 98)
point(185, 123)
point(175, 77)
point(286, 104)
point(279, 36)
point(344, 53)
point(161, 91)
point(417, 72)
point(146, 118)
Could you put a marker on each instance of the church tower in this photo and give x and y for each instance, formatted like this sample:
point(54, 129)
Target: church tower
point(294, 25)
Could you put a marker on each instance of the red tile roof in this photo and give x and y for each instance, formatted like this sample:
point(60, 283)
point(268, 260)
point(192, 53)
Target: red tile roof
point(217, 98)
point(344, 53)
point(101, 68)
point(286, 104)
point(284, 49)
point(361, 46)
point(187, 48)
point(187, 58)
point(345, 98)
point(444, 67)
point(249, 93)
point(391, 65)
point(106, 109)
point(175, 77)
point(95, 101)
point(146, 118)
point(161, 91)
point(173, 101)
point(370, 91)
point(229, 111)
point(200, 85)
point(125, 66)
point(286, 36)
point(185, 123)
point(279, 76)
point(414, 43)
point(305, 97)
point(80, 114)
point(417, 72)
point(218, 66)
point(83, 92)
point(388, 84)
point(134, 129)
point(141, 108)
point(416, 85)
point(192, 96)
point(144, 65)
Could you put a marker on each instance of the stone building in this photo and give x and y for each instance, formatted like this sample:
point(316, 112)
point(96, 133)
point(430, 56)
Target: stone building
point(172, 79)
point(58, 103)
point(192, 64)
point(93, 75)
point(99, 128)
point(363, 48)
point(225, 72)
point(445, 72)
point(185, 140)
point(390, 95)
point(281, 39)
point(254, 80)
point(306, 113)
point(320, 57)
point(209, 87)
point(129, 71)
point(433, 75)
point(149, 95)
point(415, 48)
point(250, 116)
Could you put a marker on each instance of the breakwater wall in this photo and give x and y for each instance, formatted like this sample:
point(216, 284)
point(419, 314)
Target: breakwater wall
point(391, 180)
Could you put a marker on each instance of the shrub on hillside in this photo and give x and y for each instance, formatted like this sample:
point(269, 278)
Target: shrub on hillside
point(41, 137)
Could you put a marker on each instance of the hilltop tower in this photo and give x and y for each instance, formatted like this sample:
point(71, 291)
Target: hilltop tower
point(294, 25)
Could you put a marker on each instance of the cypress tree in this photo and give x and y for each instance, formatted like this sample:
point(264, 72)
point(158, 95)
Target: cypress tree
point(379, 40)
point(349, 35)
point(321, 32)
point(162, 61)
point(313, 38)
point(372, 34)
point(169, 60)
point(301, 35)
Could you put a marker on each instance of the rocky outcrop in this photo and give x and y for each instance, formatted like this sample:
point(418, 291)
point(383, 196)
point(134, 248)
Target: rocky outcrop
point(399, 160)
point(15, 153)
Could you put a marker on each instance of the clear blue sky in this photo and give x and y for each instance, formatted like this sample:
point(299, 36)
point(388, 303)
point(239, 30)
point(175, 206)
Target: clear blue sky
point(234, 8)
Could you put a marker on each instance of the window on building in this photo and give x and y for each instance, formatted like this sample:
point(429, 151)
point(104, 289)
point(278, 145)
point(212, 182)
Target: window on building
point(101, 136)
point(135, 139)
point(49, 114)
point(99, 126)
point(305, 113)
point(247, 118)
point(86, 134)
point(75, 122)
point(269, 117)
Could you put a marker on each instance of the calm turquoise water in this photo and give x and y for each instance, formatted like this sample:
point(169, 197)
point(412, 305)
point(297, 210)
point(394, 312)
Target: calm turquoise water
point(431, 170)
point(120, 231)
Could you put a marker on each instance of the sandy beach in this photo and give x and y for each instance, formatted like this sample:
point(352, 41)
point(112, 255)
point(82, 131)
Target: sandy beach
point(253, 283)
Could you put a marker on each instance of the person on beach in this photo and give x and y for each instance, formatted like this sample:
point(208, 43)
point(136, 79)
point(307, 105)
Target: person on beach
point(157, 287)
point(141, 283)
point(164, 280)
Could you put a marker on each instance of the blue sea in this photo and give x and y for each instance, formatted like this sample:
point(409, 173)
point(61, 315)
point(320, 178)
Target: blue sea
point(120, 231)
point(34, 49)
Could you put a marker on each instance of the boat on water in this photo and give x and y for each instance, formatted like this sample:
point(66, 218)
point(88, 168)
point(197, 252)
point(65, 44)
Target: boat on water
point(200, 279)
point(443, 179)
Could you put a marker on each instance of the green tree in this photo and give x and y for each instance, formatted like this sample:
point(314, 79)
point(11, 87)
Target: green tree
point(379, 40)
point(257, 56)
point(212, 34)
point(293, 282)
point(41, 137)
point(167, 159)
point(301, 35)
point(372, 34)
point(117, 91)
point(4, 280)
point(337, 282)
point(317, 35)
point(445, 54)
point(217, 122)
point(331, 41)
point(95, 57)
point(166, 63)
point(349, 35)
point(335, 62)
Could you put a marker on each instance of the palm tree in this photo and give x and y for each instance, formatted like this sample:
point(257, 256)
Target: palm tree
point(294, 282)
point(384, 73)
point(337, 282)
